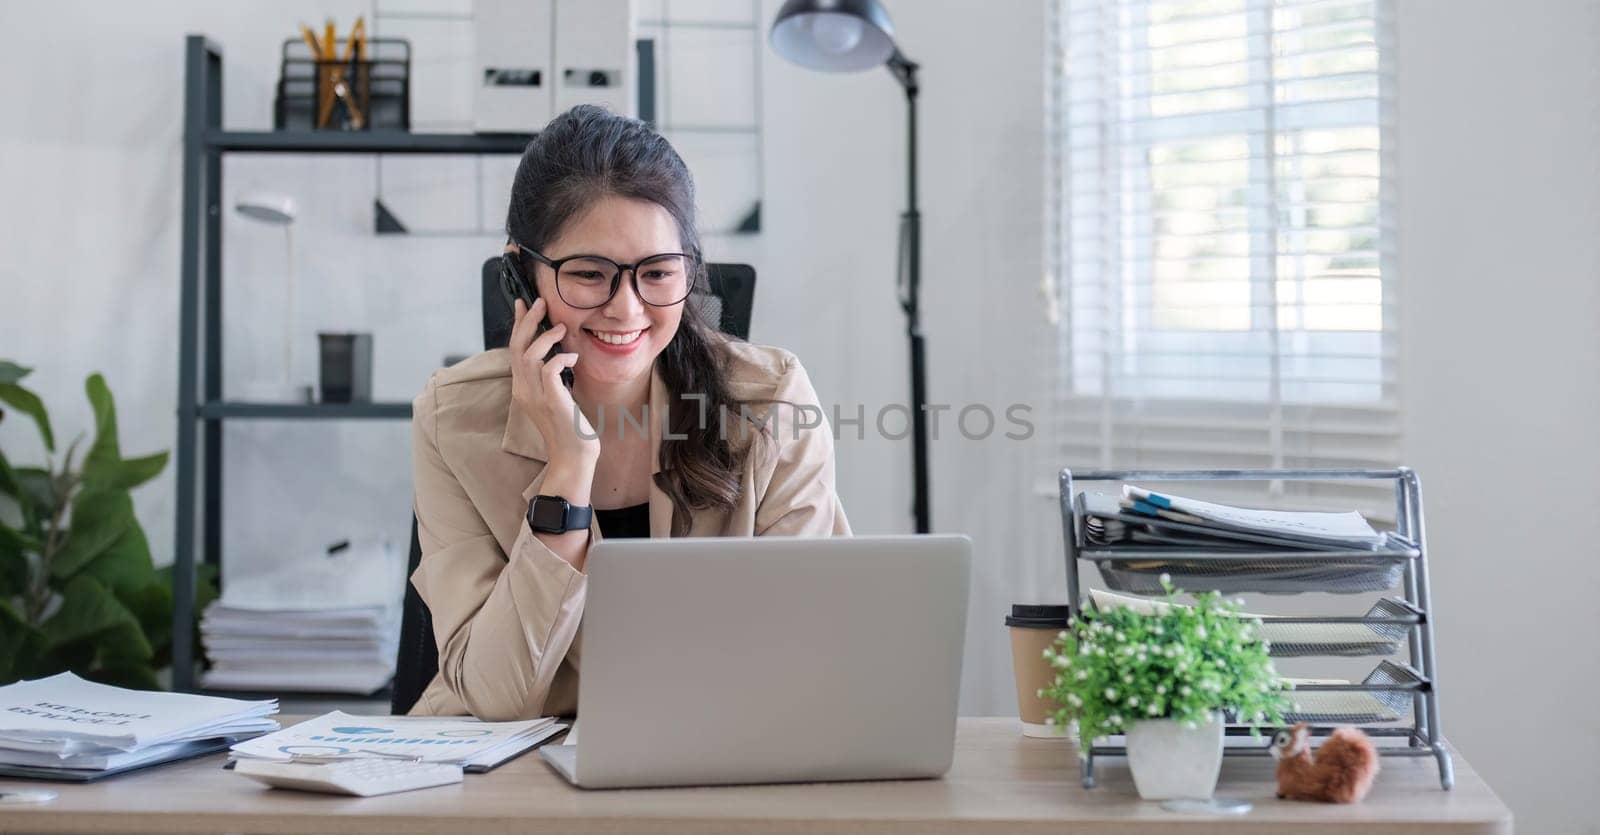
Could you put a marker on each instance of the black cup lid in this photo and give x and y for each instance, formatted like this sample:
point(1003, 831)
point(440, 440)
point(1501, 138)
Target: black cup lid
point(1039, 615)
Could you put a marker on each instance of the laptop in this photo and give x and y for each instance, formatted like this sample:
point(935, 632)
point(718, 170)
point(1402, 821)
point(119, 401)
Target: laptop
point(722, 660)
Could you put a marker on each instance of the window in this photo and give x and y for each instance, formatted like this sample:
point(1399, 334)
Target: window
point(1221, 233)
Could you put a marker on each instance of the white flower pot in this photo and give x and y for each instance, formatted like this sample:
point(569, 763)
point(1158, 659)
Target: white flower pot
point(1170, 761)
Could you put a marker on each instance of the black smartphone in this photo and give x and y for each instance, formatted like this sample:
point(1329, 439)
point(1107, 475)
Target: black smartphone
point(518, 286)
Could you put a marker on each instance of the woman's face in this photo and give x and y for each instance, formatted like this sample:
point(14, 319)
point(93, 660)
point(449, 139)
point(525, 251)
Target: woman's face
point(619, 340)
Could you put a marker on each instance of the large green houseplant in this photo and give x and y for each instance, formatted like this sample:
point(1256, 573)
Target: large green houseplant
point(78, 590)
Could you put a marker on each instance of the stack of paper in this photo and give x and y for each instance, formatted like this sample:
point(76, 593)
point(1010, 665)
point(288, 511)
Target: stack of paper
point(1147, 517)
point(1191, 543)
point(66, 728)
point(475, 746)
point(330, 623)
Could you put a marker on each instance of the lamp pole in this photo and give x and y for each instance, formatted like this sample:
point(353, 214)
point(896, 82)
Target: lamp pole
point(853, 36)
point(909, 283)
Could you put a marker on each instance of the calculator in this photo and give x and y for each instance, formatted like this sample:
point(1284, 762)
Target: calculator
point(359, 777)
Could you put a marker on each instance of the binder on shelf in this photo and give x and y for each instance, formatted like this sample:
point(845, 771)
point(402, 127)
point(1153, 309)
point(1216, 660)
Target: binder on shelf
point(595, 56)
point(513, 59)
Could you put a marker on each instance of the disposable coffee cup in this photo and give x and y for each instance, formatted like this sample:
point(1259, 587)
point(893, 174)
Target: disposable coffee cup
point(1033, 629)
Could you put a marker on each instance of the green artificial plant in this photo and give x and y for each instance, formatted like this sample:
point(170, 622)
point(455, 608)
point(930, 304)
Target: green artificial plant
point(78, 589)
point(1185, 663)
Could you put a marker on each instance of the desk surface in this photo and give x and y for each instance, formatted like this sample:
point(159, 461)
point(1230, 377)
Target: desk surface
point(999, 779)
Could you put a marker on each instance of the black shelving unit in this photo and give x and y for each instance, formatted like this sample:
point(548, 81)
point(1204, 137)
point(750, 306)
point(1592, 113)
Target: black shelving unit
point(382, 694)
point(201, 408)
point(218, 410)
point(363, 142)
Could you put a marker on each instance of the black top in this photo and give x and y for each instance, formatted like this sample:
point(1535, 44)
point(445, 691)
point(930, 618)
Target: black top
point(625, 522)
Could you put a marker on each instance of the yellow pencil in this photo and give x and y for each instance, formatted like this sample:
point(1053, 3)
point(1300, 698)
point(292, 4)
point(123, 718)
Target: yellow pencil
point(311, 41)
point(357, 34)
point(326, 96)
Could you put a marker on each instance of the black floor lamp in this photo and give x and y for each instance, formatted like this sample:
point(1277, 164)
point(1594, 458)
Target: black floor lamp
point(850, 36)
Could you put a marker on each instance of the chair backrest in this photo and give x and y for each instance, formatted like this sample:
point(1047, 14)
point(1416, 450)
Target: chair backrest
point(727, 302)
point(417, 660)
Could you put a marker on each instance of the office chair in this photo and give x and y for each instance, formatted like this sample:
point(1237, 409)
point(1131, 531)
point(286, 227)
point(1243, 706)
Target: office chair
point(727, 301)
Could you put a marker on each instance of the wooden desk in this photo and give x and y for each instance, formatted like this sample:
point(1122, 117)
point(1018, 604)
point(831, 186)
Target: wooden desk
point(1001, 782)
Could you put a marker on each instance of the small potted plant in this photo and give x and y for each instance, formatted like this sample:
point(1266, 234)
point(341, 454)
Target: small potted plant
point(1169, 680)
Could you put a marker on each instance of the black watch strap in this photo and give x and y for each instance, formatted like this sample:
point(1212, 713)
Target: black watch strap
point(554, 514)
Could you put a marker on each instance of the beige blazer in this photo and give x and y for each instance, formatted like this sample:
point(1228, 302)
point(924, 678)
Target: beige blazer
point(507, 610)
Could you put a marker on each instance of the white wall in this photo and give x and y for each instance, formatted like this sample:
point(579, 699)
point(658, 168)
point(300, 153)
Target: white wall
point(835, 186)
point(1497, 130)
point(1499, 207)
point(91, 154)
point(1498, 124)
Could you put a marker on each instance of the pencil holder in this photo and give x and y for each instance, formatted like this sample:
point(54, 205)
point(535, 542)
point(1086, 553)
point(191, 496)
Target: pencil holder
point(371, 93)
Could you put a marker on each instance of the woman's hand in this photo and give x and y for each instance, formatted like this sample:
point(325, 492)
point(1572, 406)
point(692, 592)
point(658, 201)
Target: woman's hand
point(537, 388)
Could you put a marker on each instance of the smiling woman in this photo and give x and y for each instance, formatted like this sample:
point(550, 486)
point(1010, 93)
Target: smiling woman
point(704, 436)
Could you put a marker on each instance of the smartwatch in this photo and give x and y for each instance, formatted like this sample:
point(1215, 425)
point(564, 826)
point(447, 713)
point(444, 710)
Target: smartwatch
point(553, 514)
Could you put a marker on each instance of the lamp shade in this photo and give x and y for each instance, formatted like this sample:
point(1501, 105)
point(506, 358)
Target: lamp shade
point(833, 35)
point(268, 208)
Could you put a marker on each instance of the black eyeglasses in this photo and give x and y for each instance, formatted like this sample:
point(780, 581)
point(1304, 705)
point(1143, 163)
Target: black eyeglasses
point(589, 281)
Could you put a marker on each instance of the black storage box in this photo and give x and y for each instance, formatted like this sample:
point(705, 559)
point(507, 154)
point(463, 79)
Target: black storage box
point(346, 363)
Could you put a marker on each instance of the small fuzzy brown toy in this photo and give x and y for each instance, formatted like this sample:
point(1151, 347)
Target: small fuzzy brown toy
point(1341, 770)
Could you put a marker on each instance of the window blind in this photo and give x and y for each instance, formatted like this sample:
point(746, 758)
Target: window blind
point(1221, 238)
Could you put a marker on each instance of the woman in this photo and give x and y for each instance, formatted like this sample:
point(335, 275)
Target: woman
point(668, 428)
